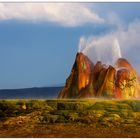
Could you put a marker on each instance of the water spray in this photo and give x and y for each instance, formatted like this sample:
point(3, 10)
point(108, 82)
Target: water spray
point(105, 49)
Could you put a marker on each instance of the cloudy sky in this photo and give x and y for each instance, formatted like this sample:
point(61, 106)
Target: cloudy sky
point(39, 41)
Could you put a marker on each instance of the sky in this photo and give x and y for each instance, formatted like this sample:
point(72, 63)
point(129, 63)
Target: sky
point(39, 41)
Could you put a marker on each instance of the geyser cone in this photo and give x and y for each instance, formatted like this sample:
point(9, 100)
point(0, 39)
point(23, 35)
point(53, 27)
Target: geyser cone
point(127, 84)
point(80, 77)
point(87, 80)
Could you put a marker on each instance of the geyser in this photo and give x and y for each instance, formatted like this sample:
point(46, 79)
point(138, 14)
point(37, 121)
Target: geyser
point(105, 49)
point(112, 78)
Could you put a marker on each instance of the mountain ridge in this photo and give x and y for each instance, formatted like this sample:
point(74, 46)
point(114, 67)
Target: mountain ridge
point(30, 93)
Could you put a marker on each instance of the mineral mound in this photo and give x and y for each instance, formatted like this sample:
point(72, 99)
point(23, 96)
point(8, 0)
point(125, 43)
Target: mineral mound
point(89, 80)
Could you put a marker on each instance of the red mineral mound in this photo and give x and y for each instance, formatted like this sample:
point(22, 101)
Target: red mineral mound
point(80, 77)
point(87, 80)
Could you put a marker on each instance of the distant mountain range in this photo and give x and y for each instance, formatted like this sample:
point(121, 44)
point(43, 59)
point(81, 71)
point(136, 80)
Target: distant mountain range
point(30, 93)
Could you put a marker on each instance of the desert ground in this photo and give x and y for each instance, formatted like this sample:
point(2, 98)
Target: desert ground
point(69, 118)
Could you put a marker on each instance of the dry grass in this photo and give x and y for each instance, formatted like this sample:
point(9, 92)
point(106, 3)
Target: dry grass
point(70, 118)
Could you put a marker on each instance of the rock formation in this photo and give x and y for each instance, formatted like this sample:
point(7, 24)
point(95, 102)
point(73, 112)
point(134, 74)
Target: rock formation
point(88, 80)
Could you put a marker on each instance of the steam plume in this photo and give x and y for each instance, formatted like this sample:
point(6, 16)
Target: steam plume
point(105, 49)
point(82, 44)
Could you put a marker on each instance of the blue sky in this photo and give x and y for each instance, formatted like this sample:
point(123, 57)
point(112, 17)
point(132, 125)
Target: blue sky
point(38, 42)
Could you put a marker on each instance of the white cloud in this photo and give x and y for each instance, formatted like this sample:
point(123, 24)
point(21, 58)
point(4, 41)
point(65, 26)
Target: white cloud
point(113, 19)
point(128, 40)
point(67, 14)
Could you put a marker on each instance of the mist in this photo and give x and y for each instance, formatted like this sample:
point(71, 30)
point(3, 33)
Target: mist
point(105, 49)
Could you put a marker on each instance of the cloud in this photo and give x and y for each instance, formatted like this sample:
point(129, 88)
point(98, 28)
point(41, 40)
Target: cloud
point(113, 19)
point(100, 47)
point(129, 38)
point(67, 14)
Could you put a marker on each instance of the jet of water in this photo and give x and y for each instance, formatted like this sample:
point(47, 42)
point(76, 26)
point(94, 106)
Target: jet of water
point(105, 49)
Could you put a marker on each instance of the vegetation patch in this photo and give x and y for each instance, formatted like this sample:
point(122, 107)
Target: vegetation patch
point(107, 113)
